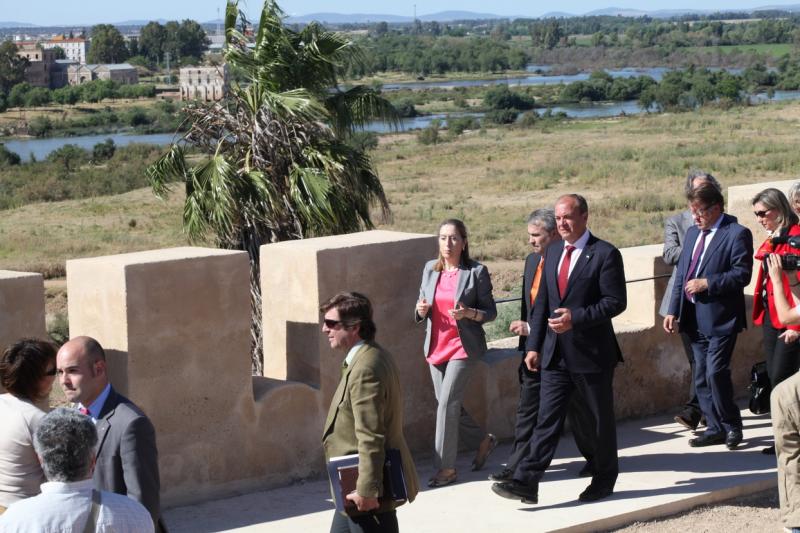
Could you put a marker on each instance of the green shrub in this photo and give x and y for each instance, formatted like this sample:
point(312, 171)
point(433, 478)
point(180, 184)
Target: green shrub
point(429, 135)
point(40, 126)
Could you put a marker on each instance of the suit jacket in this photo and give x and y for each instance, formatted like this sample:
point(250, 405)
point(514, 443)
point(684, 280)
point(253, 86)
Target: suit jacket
point(595, 294)
point(127, 457)
point(727, 265)
point(675, 229)
point(366, 417)
point(474, 290)
point(531, 263)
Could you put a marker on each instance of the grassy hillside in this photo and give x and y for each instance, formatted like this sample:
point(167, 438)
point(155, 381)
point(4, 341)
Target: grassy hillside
point(631, 169)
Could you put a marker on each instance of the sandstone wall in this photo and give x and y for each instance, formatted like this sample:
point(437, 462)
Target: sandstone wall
point(21, 307)
point(176, 326)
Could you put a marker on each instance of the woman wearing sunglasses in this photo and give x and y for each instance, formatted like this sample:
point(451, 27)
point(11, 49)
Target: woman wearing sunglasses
point(27, 373)
point(781, 347)
point(455, 300)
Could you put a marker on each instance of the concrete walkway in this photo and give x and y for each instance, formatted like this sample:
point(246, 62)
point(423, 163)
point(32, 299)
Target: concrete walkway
point(660, 475)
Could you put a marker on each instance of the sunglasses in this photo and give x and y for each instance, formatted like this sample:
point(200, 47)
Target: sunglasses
point(761, 214)
point(51, 372)
point(330, 324)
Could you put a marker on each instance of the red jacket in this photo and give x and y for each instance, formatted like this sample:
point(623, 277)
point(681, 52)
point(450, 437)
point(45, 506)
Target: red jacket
point(758, 304)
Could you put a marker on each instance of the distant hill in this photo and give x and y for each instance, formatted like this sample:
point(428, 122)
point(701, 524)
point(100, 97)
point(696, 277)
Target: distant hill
point(362, 18)
point(448, 16)
point(10, 24)
point(345, 18)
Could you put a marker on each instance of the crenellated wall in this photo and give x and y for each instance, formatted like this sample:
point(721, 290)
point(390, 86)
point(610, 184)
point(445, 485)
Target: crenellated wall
point(175, 323)
point(21, 307)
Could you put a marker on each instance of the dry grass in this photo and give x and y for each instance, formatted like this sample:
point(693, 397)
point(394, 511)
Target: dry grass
point(630, 169)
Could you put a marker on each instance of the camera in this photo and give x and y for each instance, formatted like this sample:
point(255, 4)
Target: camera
point(788, 261)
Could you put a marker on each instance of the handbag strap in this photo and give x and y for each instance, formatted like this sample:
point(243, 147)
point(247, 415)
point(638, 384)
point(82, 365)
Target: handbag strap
point(91, 523)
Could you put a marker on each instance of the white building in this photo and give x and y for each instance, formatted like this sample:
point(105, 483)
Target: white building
point(75, 48)
point(204, 83)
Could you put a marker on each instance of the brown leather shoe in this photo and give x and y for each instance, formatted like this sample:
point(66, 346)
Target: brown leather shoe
point(487, 446)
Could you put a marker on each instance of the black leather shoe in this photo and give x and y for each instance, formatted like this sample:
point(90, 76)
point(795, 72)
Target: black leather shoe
point(687, 420)
point(594, 493)
point(733, 438)
point(587, 470)
point(505, 474)
point(708, 439)
point(514, 490)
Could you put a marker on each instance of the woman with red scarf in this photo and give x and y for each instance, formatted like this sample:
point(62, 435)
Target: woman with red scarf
point(781, 347)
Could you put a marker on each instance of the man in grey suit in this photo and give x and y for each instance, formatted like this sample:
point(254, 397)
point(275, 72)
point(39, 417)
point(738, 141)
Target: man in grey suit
point(127, 458)
point(674, 234)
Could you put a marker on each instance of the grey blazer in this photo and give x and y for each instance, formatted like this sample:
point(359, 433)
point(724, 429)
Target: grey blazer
point(474, 290)
point(127, 458)
point(674, 234)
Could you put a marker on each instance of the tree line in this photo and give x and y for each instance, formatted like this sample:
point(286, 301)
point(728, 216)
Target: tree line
point(423, 54)
point(25, 95)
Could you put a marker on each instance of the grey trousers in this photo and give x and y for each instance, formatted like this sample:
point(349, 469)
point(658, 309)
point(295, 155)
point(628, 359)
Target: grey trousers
point(453, 423)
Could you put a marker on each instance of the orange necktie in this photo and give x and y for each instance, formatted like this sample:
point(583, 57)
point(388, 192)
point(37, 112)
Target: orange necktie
point(537, 277)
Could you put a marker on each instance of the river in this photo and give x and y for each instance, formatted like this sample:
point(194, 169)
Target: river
point(40, 148)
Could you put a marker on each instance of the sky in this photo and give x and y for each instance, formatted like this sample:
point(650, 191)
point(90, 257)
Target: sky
point(87, 12)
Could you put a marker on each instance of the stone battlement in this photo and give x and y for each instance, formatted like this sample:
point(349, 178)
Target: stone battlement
point(175, 325)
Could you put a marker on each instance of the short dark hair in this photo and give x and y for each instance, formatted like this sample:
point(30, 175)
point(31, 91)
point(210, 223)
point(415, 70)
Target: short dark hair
point(24, 364)
point(354, 309)
point(65, 440)
point(707, 194)
point(93, 349)
point(583, 205)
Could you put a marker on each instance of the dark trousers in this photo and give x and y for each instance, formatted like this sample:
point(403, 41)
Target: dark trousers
point(579, 418)
point(783, 360)
point(557, 387)
point(692, 407)
point(368, 523)
point(712, 380)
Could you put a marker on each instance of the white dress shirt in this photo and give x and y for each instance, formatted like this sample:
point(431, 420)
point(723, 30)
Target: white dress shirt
point(64, 507)
point(579, 245)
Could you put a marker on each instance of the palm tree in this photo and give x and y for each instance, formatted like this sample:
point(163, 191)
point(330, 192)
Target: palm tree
point(275, 165)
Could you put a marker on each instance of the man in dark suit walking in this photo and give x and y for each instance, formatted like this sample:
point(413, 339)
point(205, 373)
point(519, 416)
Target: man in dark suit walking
point(708, 302)
point(572, 343)
point(541, 232)
point(127, 458)
point(675, 228)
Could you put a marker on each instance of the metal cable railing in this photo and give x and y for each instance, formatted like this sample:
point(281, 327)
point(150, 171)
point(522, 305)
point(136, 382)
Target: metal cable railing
point(635, 280)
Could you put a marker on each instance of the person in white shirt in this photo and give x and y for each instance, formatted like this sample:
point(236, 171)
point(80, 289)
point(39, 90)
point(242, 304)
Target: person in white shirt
point(65, 443)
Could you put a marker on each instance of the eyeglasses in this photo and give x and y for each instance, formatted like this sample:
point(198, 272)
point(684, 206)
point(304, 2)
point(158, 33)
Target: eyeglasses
point(51, 372)
point(702, 211)
point(330, 324)
point(761, 214)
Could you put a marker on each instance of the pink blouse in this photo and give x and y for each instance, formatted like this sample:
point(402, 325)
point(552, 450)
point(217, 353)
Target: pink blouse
point(445, 341)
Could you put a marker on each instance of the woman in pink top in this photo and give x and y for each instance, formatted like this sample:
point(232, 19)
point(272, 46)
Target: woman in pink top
point(455, 299)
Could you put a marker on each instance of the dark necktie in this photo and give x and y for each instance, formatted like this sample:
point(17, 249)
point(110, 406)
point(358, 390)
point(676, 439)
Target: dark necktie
point(563, 273)
point(698, 251)
point(344, 368)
